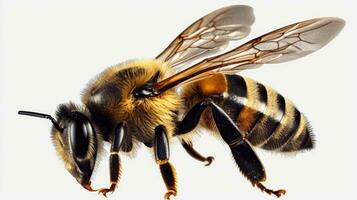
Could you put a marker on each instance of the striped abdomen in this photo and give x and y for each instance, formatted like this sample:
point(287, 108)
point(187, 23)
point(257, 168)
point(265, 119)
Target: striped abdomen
point(267, 119)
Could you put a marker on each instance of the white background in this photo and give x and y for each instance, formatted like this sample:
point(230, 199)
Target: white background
point(49, 50)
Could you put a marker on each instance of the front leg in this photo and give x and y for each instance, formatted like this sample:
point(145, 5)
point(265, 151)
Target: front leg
point(162, 155)
point(114, 162)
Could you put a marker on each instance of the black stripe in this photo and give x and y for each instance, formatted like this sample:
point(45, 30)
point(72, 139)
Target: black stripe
point(293, 131)
point(236, 85)
point(308, 142)
point(232, 108)
point(270, 127)
point(263, 95)
point(263, 98)
point(273, 125)
point(286, 133)
point(267, 126)
point(262, 131)
point(258, 116)
point(281, 104)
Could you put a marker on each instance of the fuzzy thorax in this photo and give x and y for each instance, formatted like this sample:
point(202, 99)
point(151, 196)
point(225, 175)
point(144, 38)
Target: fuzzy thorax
point(110, 95)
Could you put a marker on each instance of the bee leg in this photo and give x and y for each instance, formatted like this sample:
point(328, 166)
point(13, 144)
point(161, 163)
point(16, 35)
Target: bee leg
point(114, 160)
point(189, 123)
point(244, 155)
point(277, 193)
point(162, 155)
point(192, 118)
point(190, 150)
point(148, 144)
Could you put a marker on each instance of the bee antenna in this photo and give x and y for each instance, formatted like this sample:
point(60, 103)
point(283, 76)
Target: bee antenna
point(41, 115)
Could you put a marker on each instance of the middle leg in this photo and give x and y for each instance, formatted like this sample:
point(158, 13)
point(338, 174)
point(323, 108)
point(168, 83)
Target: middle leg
point(192, 152)
point(190, 122)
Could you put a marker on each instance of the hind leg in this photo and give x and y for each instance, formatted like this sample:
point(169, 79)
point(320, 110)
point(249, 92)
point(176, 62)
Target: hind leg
point(243, 154)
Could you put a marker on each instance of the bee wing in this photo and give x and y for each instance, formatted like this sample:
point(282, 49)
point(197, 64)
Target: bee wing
point(209, 34)
point(284, 44)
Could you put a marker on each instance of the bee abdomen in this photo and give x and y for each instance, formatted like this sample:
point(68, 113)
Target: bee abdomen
point(266, 118)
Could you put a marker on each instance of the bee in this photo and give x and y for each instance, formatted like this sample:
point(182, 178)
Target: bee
point(154, 101)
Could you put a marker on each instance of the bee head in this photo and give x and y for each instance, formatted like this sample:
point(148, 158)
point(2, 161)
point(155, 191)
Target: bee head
point(75, 140)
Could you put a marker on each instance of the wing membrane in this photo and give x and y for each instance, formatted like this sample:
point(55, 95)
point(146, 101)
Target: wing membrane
point(284, 44)
point(209, 34)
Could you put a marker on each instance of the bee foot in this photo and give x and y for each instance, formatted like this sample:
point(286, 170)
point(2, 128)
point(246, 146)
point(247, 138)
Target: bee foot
point(169, 193)
point(104, 191)
point(277, 193)
point(209, 160)
point(87, 186)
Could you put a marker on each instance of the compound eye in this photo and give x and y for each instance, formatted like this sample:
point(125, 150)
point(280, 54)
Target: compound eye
point(81, 135)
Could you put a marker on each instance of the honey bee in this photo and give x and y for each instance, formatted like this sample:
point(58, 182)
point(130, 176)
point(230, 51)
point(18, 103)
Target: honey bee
point(154, 101)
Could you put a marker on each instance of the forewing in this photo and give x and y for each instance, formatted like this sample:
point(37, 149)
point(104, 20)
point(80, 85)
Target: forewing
point(284, 44)
point(209, 34)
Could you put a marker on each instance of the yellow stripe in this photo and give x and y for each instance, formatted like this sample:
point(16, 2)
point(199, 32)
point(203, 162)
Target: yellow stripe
point(286, 122)
point(295, 141)
point(252, 105)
